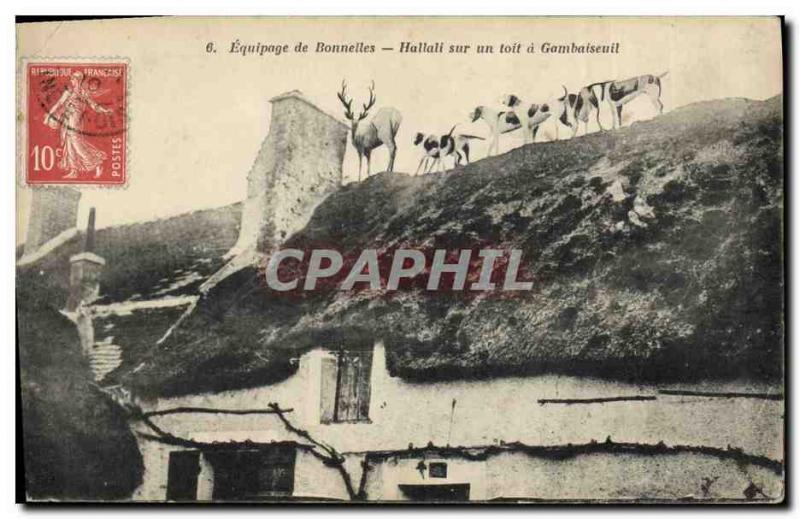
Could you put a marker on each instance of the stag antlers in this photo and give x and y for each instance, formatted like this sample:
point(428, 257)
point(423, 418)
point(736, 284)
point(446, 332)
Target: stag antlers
point(348, 112)
point(346, 102)
point(366, 106)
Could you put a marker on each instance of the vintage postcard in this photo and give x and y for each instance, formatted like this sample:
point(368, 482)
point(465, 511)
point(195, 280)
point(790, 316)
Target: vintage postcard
point(371, 260)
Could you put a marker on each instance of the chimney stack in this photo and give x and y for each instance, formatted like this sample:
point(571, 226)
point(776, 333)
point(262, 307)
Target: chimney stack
point(85, 270)
point(298, 165)
point(54, 212)
point(89, 245)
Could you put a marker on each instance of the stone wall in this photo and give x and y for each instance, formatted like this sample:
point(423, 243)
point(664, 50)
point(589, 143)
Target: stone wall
point(53, 211)
point(298, 165)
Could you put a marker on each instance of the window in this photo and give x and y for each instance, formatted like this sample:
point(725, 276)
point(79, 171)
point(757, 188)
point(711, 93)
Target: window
point(184, 466)
point(253, 475)
point(346, 386)
point(437, 470)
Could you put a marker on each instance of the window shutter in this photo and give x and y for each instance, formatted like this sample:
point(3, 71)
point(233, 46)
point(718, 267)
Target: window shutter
point(363, 389)
point(345, 386)
point(346, 407)
point(328, 389)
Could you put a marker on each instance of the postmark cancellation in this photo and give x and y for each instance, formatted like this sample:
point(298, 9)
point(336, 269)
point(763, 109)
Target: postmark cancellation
point(75, 117)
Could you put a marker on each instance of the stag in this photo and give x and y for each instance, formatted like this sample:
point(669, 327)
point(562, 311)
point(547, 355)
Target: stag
point(379, 130)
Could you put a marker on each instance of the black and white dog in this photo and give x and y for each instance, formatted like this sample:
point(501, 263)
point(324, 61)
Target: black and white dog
point(619, 93)
point(437, 148)
point(579, 107)
point(498, 121)
point(532, 115)
point(430, 144)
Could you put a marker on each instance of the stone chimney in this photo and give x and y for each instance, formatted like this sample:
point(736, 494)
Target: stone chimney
point(85, 270)
point(53, 213)
point(298, 165)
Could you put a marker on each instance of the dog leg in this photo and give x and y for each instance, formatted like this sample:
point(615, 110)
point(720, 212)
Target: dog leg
point(614, 122)
point(570, 124)
point(657, 104)
point(420, 165)
point(436, 161)
point(527, 136)
point(620, 103)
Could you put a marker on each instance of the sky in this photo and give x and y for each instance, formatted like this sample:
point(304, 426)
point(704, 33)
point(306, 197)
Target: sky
point(197, 119)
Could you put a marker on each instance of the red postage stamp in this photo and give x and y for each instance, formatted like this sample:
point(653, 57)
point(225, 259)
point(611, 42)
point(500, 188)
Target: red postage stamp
point(76, 123)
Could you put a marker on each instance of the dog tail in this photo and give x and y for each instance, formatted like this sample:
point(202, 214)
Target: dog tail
point(452, 130)
point(663, 74)
point(565, 93)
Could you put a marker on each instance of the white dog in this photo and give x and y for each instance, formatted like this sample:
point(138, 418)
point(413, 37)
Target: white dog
point(498, 122)
point(619, 93)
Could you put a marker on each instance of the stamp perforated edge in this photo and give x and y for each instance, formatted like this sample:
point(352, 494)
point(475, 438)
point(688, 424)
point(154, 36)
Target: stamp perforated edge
point(21, 119)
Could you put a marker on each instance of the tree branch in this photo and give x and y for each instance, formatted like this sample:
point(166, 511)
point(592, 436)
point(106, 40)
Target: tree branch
point(211, 410)
point(331, 457)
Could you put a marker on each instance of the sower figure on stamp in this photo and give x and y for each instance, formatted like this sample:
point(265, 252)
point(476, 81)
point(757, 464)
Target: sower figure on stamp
point(67, 115)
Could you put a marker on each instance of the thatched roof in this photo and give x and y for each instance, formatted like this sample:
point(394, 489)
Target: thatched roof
point(161, 258)
point(655, 250)
point(168, 258)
